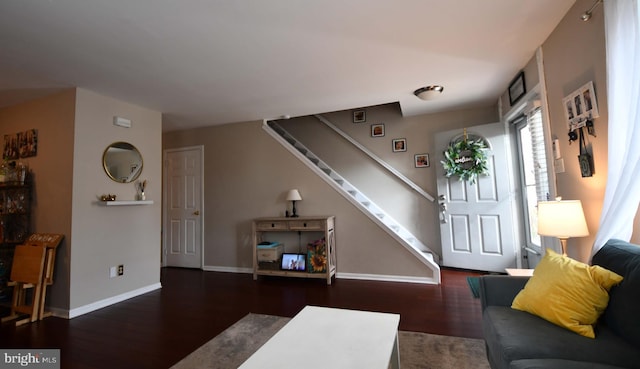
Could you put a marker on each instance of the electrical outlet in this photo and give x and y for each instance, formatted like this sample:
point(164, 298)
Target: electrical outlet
point(113, 272)
point(120, 270)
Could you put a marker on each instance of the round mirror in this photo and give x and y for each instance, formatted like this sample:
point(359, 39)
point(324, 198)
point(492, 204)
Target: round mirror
point(122, 162)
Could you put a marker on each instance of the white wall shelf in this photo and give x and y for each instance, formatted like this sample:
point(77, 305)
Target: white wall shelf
point(126, 202)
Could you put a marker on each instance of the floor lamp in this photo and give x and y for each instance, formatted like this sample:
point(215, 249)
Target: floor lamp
point(562, 219)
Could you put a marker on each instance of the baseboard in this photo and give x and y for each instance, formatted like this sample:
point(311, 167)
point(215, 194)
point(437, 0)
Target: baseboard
point(70, 314)
point(386, 278)
point(365, 277)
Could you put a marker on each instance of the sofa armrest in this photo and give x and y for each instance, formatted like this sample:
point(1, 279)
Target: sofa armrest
point(500, 290)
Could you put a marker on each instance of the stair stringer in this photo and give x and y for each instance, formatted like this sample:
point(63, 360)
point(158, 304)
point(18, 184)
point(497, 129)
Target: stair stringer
point(355, 197)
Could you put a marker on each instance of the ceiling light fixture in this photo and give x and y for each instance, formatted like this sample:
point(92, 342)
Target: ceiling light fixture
point(587, 15)
point(428, 92)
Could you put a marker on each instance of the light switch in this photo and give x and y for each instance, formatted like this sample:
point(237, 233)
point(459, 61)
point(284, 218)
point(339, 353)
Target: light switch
point(558, 165)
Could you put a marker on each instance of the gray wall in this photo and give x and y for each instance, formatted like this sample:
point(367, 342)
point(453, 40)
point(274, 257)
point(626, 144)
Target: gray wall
point(574, 54)
point(417, 214)
point(74, 127)
point(109, 236)
point(247, 174)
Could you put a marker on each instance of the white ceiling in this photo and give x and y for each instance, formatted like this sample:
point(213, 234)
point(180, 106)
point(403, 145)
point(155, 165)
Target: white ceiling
point(213, 62)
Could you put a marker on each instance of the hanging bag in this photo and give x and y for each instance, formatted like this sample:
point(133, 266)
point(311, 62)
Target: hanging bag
point(585, 159)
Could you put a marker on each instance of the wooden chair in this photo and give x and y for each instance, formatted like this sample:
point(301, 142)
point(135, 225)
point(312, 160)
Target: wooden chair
point(27, 272)
point(50, 242)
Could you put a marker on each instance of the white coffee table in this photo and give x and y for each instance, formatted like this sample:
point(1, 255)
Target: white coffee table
point(332, 338)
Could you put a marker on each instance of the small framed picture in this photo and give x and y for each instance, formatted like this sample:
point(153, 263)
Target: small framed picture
point(580, 106)
point(517, 89)
point(10, 147)
point(421, 160)
point(377, 130)
point(359, 116)
point(28, 143)
point(399, 144)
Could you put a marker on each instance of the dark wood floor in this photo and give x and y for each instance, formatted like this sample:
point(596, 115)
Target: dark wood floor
point(158, 329)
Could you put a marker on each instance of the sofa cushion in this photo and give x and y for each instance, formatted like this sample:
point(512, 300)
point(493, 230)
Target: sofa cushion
point(557, 364)
point(624, 304)
point(515, 335)
point(567, 292)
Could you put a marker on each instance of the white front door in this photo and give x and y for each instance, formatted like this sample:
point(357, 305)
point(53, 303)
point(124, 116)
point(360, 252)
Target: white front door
point(183, 217)
point(477, 220)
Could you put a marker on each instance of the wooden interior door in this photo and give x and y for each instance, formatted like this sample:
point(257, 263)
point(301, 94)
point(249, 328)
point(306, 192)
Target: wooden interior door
point(183, 216)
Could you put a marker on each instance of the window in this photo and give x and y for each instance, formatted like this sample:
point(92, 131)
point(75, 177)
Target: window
point(534, 177)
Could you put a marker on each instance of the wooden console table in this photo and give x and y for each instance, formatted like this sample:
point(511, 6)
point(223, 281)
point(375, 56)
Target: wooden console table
point(308, 229)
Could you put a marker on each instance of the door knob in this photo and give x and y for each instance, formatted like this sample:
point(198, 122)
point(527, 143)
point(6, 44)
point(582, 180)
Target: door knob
point(443, 208)
point(197, 212)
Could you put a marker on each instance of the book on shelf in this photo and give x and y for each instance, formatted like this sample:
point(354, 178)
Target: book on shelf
point(267, 244)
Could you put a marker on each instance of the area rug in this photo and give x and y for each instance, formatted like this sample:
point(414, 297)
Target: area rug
point(474, 285)
point(232, 347)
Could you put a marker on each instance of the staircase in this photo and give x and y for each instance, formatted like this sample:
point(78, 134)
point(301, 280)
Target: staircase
point(358, 199)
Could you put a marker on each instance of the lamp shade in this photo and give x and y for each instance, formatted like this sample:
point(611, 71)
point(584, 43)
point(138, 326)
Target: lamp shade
point(293, 195)
point(562, 219)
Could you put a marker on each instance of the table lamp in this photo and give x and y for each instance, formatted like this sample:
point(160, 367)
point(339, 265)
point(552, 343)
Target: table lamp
point(562, 219)
point(293, 196)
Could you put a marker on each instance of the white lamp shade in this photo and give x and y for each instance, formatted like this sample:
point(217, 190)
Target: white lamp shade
point(562, 219)
point(293, 195)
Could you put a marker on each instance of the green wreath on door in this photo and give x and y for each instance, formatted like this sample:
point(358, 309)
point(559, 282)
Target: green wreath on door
point(466, 159)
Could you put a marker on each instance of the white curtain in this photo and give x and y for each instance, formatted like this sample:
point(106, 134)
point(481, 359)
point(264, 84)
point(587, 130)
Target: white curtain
point(622, 195)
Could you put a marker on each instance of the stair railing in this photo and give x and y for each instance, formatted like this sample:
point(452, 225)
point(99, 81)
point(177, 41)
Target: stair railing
point(376, 158)
point(426, 255)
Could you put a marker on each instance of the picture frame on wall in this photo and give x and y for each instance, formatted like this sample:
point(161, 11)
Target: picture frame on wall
point(580, 106)
point(20, 145)
point(377, 130)
point(421, 160)
point(517, 88)
point(11, 147)
point(28, 143)
point(399, 144)
point(359, 116)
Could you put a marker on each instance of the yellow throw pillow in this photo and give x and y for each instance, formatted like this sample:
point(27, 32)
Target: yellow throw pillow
point(567, 293)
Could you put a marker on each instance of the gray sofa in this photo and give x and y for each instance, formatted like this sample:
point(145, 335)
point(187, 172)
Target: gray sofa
point(518, 340)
